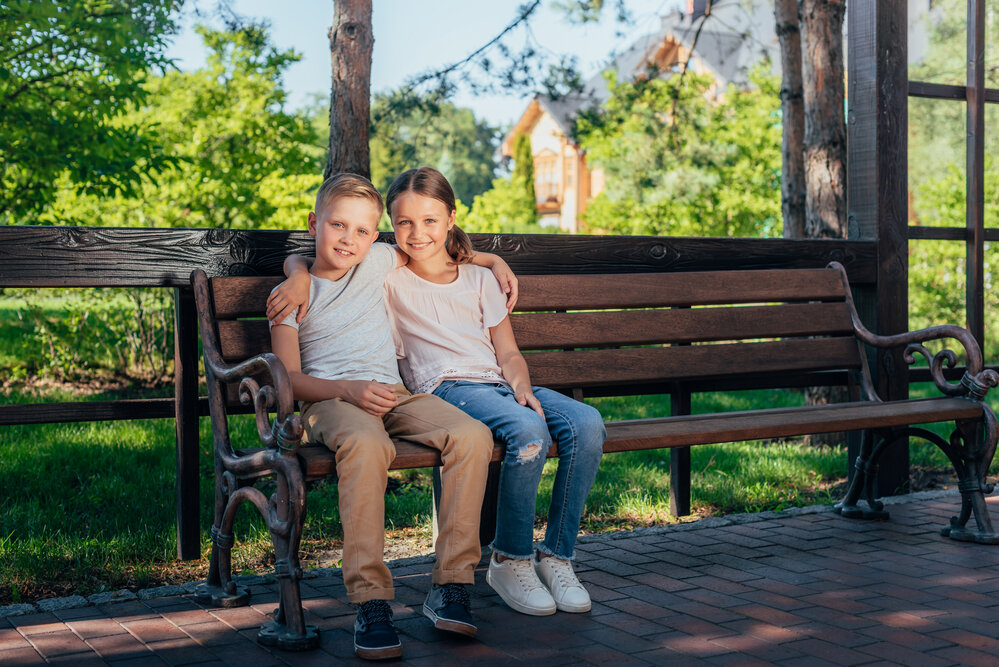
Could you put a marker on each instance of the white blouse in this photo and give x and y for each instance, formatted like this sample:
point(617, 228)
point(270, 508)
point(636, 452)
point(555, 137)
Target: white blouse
point(441, 332)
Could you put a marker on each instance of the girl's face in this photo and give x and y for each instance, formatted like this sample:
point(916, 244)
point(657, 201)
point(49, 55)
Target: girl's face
point(421, 226)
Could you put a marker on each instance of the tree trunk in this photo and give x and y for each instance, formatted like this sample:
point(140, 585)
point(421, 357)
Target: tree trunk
point(351, 41)
point(821, 23)
point(825, 129)
point(792, 187)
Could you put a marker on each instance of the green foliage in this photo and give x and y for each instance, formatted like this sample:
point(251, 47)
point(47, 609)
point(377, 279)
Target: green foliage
point(509, 207)
point(241, 159)
point(411, 130)
point(69, 71)
point(86, 335)
point(679, 163)
point(523, 171)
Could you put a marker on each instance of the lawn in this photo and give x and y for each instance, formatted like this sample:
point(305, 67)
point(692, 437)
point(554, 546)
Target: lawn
point(89, 507)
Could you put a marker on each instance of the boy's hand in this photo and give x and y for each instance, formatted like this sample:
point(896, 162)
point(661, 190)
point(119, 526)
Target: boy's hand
point(291, 294)
point(528, 399)
point(373, 397)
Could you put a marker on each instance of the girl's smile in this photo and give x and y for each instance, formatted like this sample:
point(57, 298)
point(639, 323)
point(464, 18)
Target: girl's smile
point(421, 227)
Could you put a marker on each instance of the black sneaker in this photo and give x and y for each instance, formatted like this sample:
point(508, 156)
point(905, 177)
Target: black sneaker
point(375, 637)
point(447, 607)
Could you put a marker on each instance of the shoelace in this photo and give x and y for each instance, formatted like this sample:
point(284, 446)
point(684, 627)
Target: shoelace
point(526, 576)
point(451, 593)
point(377, 611)
point(564, 572)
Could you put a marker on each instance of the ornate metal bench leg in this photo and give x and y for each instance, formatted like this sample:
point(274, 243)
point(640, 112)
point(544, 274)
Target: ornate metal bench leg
point(863, 482)
point(219, 590)
point(285, 519)
point(972, 445)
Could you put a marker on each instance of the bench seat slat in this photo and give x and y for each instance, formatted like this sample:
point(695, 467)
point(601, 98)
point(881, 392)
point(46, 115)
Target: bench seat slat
point(645, 290)
point(535, 331)
point(691, 430)
point(583, 368)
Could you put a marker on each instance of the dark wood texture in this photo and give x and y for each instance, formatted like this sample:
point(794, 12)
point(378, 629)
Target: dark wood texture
point(975, 173)
point(877, 182)
point(186, 411)
point(688, 430)
point(115, 257)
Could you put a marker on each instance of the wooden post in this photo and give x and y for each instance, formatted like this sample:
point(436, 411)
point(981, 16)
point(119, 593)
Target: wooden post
point(878, 186)
point(975, 173)
point(679, 457)
point(185, 356)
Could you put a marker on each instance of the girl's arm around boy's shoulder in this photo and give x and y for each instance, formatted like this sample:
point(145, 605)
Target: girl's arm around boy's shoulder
point(293, 293)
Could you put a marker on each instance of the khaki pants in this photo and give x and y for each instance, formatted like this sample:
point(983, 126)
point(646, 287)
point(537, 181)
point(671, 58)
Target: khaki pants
point(363, 447)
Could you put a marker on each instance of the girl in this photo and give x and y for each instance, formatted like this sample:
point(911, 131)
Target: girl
point(454, 339)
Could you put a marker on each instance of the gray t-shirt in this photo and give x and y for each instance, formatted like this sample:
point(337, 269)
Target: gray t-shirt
point(345, 334)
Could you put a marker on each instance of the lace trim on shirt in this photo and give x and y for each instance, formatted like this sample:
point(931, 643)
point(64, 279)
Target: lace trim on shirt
point(453, 374)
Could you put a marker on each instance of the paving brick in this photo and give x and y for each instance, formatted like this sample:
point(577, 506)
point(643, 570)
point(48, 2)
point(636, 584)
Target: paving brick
point(184, 651)
point(79, 660)
point(96, 627)
point(837, 655)
point(118, 647)
point(21, 656)
point(905, 655)
point(154, 630)
point(52, 644)
point(630, 623)
point(12, 639)
point(36, 624)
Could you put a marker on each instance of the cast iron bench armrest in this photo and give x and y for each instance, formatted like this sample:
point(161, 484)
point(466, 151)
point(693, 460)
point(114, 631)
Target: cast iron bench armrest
point(977, 379)
point(263, 380)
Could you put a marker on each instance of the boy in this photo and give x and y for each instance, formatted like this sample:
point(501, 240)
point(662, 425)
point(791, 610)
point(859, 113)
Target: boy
point(341, 360)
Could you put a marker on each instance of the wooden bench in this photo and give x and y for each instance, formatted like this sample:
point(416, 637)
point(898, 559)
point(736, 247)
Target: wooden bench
point(603, 334)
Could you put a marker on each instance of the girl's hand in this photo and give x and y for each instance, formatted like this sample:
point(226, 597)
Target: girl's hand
point(291, 294)
point(507, 281)
point(529, 400)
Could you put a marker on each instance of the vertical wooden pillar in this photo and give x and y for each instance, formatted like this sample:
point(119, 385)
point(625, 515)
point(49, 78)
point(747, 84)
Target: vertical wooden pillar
point(877, 186)
point(185, 356)
point(679, 457)
point(975, 200)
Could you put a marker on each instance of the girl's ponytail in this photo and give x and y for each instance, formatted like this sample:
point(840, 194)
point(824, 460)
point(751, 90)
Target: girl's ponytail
point(459, 246)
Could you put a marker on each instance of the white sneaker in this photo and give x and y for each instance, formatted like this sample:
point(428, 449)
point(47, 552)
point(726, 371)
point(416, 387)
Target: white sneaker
point(518, 584)
point(559, 577)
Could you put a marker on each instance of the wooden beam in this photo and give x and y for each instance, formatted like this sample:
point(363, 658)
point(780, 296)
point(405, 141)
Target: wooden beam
point(878, 183)
point(118, 257)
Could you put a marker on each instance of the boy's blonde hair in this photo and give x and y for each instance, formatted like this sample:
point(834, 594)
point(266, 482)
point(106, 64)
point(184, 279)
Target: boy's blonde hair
point(348, 185)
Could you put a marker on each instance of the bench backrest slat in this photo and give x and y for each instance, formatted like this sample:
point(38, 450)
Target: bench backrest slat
point(658, 290)
point(589, 368)
point(538, 331)
point(581, 331)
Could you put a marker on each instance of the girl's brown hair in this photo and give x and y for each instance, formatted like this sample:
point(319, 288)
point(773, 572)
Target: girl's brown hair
point(429, 182)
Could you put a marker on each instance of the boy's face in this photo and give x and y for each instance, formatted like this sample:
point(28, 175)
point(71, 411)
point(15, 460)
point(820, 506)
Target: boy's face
point(344, 230)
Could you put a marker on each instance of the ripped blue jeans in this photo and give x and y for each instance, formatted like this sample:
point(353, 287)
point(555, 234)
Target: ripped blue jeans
point(577, 430)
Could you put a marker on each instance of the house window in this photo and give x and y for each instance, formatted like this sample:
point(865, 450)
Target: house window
point(546, 178)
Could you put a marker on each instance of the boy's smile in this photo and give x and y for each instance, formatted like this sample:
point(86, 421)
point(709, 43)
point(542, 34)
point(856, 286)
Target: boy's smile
point(344, 230)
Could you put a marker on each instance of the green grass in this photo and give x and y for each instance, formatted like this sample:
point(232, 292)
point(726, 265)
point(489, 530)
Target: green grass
point(91, 507)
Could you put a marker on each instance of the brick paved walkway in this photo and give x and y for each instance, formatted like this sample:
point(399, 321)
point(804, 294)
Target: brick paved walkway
point(805, 588)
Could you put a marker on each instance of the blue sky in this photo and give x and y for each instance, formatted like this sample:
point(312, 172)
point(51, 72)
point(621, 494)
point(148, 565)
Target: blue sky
point(414, 36)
